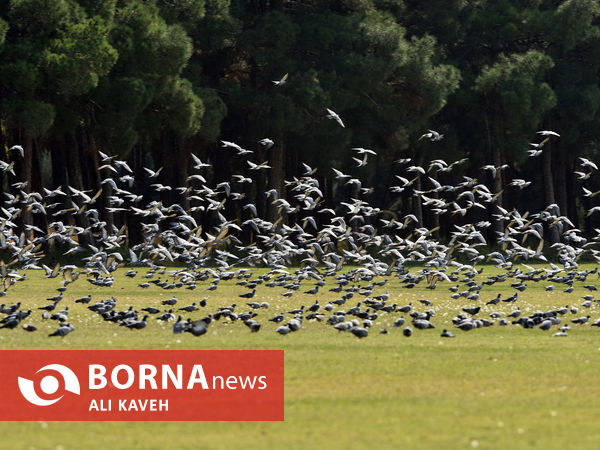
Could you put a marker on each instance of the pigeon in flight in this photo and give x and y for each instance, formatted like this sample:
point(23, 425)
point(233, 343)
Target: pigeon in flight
point(267, 143)
point(548, 133)
point(432, 135)
point(281, 81)
point(333, 115)
point(18, 149)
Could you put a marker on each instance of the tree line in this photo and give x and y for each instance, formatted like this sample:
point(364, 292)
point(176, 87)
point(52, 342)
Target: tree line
point(153, 81)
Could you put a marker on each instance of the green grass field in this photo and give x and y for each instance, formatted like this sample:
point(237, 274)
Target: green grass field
point(496, 387)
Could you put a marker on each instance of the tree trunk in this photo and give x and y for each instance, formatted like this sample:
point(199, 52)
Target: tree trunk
point(76, 180)
point(261, 201)
point(25, 175)
point(435, 218)
point(493, 148)
point(497, 161)
point(134, 225)
point(549, 188)
point(561, 184)
point(95, 179)
point(276, 178)
point(40, 220)
point(417, 202)
point(182, 172)
point(60, 177)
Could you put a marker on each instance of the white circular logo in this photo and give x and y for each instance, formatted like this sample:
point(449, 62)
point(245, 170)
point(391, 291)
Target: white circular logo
point(49, 385)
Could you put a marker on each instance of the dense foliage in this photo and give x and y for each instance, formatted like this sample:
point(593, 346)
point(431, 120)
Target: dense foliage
point(155, 80)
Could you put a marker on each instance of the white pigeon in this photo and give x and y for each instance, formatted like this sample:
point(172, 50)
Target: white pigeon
point(339, 174)
point(361, 151)
point(281, 81)
point(240, 150)
point(267, 143)
point(587, 163)
point(361, 163)
point(19, 149)
point(254, 166)
point(198, 164)
point(432, 135)
point(230, 144)
point(548, 133)
point(152, 173)
point(333, 115)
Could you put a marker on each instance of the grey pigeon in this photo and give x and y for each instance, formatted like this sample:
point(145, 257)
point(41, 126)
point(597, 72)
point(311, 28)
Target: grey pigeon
point(63, 330)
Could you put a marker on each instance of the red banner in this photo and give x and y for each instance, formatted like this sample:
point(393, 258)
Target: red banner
point(186, 385)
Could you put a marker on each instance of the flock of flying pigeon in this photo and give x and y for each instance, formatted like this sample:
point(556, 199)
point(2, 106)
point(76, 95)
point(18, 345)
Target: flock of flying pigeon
point(356, 250)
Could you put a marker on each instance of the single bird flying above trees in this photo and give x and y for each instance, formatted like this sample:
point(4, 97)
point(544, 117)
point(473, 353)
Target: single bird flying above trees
point(18, 149)
point(432, 135)
point(548, 133)
point(333, 115)
point(267, 143)
point(281, 81)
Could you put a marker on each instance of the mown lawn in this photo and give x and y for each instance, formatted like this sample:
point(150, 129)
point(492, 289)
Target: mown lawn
point(496, 387)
